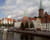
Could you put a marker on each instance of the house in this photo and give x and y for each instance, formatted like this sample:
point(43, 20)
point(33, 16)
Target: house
point(8, 21)
point(0, 21)
point(17, 24)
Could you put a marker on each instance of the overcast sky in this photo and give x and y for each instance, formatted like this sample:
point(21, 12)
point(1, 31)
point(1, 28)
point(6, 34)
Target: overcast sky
point(17, 8)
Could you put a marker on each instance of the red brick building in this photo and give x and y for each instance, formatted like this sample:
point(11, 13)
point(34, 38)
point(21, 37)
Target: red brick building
point(45, 18)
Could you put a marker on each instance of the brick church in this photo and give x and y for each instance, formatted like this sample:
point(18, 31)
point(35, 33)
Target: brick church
point(45, 18)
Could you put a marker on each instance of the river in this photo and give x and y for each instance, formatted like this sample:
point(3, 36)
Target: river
point(18, 36)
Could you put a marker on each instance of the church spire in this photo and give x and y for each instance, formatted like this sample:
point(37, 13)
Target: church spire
point(41, 7)
point(25, 13)
point(41, 10)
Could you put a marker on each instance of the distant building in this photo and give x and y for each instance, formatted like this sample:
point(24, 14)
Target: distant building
point(8, 21)
point(17, 24)
point(31, 18)
point(45, 18)
point(41, 10)
point(0, 21)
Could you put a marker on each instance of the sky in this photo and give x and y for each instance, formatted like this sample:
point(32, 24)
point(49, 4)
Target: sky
point(17, 8)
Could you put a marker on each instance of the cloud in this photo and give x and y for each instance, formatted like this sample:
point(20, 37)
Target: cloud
point(19, 1)
point(10, 2)
point(19, 17)
point(9, 16)
point(17, 8)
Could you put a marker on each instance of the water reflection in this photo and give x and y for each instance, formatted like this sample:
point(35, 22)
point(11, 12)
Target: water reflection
point(4, 35)
point(10, 36)
point(17, 36)
point(26, 37)
point(1, 35)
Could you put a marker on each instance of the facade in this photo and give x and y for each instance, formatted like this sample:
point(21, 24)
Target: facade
point(0, 21)
point(45, 18)
point(37, 23)
point(8, 21)
point(17, 24)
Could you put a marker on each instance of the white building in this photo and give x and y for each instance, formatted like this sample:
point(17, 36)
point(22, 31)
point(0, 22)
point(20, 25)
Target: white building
point(7, 21)
point(17, 24)
point(37, 23)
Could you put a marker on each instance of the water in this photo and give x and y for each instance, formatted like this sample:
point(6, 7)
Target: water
point(18, 36)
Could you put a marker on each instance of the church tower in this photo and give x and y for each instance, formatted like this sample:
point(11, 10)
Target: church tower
point(41, 10)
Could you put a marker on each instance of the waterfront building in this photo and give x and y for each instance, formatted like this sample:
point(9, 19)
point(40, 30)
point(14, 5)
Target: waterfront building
point(44, 16)
point(37, 23)
point(7, 21)
point(41, 10)
point(0, 21)
point(17, 24)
